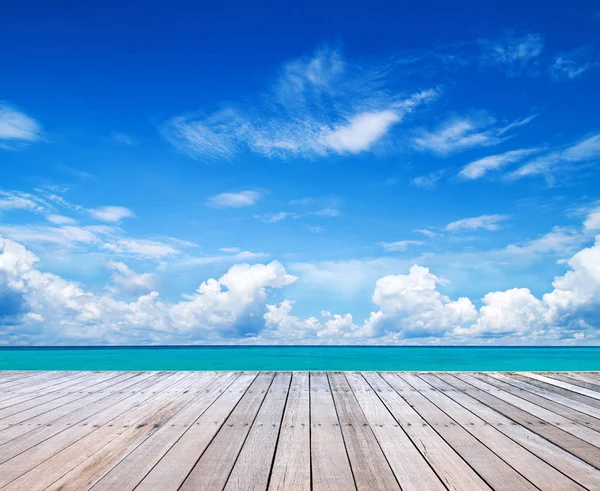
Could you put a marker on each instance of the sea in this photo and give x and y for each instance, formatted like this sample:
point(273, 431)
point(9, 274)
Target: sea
point(302, 358)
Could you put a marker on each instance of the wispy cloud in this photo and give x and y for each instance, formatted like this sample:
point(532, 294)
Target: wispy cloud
point(462, 133)
point(319, 105)
point(234, 257)
point(572, 64)
point(123, 138)
point(274, 217)
point(17, 128)
point(315, 229)
point(60, 219)
point(479, 168)
point(19, 201)
point(584, 152)
point(428, 233)
point(234, 200)
point(485, 222)
point(399, 246)
point(514, 55)
point(428, 181)
point(111, 214)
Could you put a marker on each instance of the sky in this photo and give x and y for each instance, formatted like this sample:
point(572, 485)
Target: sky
point(310, 173)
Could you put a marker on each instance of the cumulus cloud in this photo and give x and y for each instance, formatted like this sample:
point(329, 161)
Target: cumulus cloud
point(17, 128)
point(234, 200)
point(319, 105)
point(127, 280)
point(409, 306)
point(228, 306)
point(111, 214)
point(485, 222)
point(462, 133)
point(514, 55)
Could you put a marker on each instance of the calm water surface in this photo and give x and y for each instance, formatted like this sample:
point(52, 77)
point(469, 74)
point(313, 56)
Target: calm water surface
point(302, 358)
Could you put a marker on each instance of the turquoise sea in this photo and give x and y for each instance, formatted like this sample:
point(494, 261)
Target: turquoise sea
point(403, 358)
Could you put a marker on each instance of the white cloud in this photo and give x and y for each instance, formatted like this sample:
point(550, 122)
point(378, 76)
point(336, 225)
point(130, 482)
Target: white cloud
point(512, 54)
point(569, 65)
point(111, 214)
point(66, 236)
point(60, 219)
point(327, 212)
point(143, 248)
point(571, 157)
point(124, 139)
point(233, 305)
point(233, 255)
point(16, 127)
point(428, 233)
point(234, 200)
point(315, 229)
point(479, 168)
point(461, 133)
point(428, 181)
point(401, 245)
point(319, 105)
point(592, 221)
point(559, 240)
point(485, 222)
point(12, 200)
point(274, 217)
point(127, 280)
point(361, 132)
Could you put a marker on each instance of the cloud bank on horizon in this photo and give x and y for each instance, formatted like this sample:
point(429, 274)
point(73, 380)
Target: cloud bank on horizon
point(357, 192)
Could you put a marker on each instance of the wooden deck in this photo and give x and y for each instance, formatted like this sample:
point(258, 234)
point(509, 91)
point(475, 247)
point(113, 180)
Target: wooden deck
point(299, 431)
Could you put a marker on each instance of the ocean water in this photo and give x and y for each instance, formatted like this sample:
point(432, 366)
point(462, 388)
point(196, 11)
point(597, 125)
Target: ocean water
point(303, 358)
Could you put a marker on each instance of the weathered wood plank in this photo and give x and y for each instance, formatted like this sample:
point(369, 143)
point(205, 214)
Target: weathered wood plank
point(131, 468)
point(253, 465)
point(576, 469)
point(576, 379)
point(136, 422)
point(534, 469)
point(564, 385)
point(291, 467)
point(369, 465)
point(551, 417)
point(582, 449)
point(214, 466)
point(565, 411)
point(547, 394)
point(410, 468)
point(170, 472)
point(454, 472)
point(495, 471)
point(330, 465)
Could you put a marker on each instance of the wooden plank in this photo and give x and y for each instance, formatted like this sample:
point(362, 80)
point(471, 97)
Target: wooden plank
point(253, 464)
point(559, 383)
point(551, 417)
point(575, 379)
point(135, 423)
point(410, 468)
point(370, 467)
point(588, 401)
point(71, 413)
point(10, 376)
point(495, 471)
point(176, 464)
point(565, 411)
point(217, 461)
point(582, 449)
point(125, 468)
point(534, 469)
point(576, 469)
point(547, 394)
point(330, 465)
point(454, 472)
point(28, 459)
point(79, 418)
point(19, 397)
point(291, 467)
point(30, 408)
point(34, 384)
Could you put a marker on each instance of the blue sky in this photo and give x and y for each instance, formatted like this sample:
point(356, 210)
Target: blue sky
point(318, 173)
